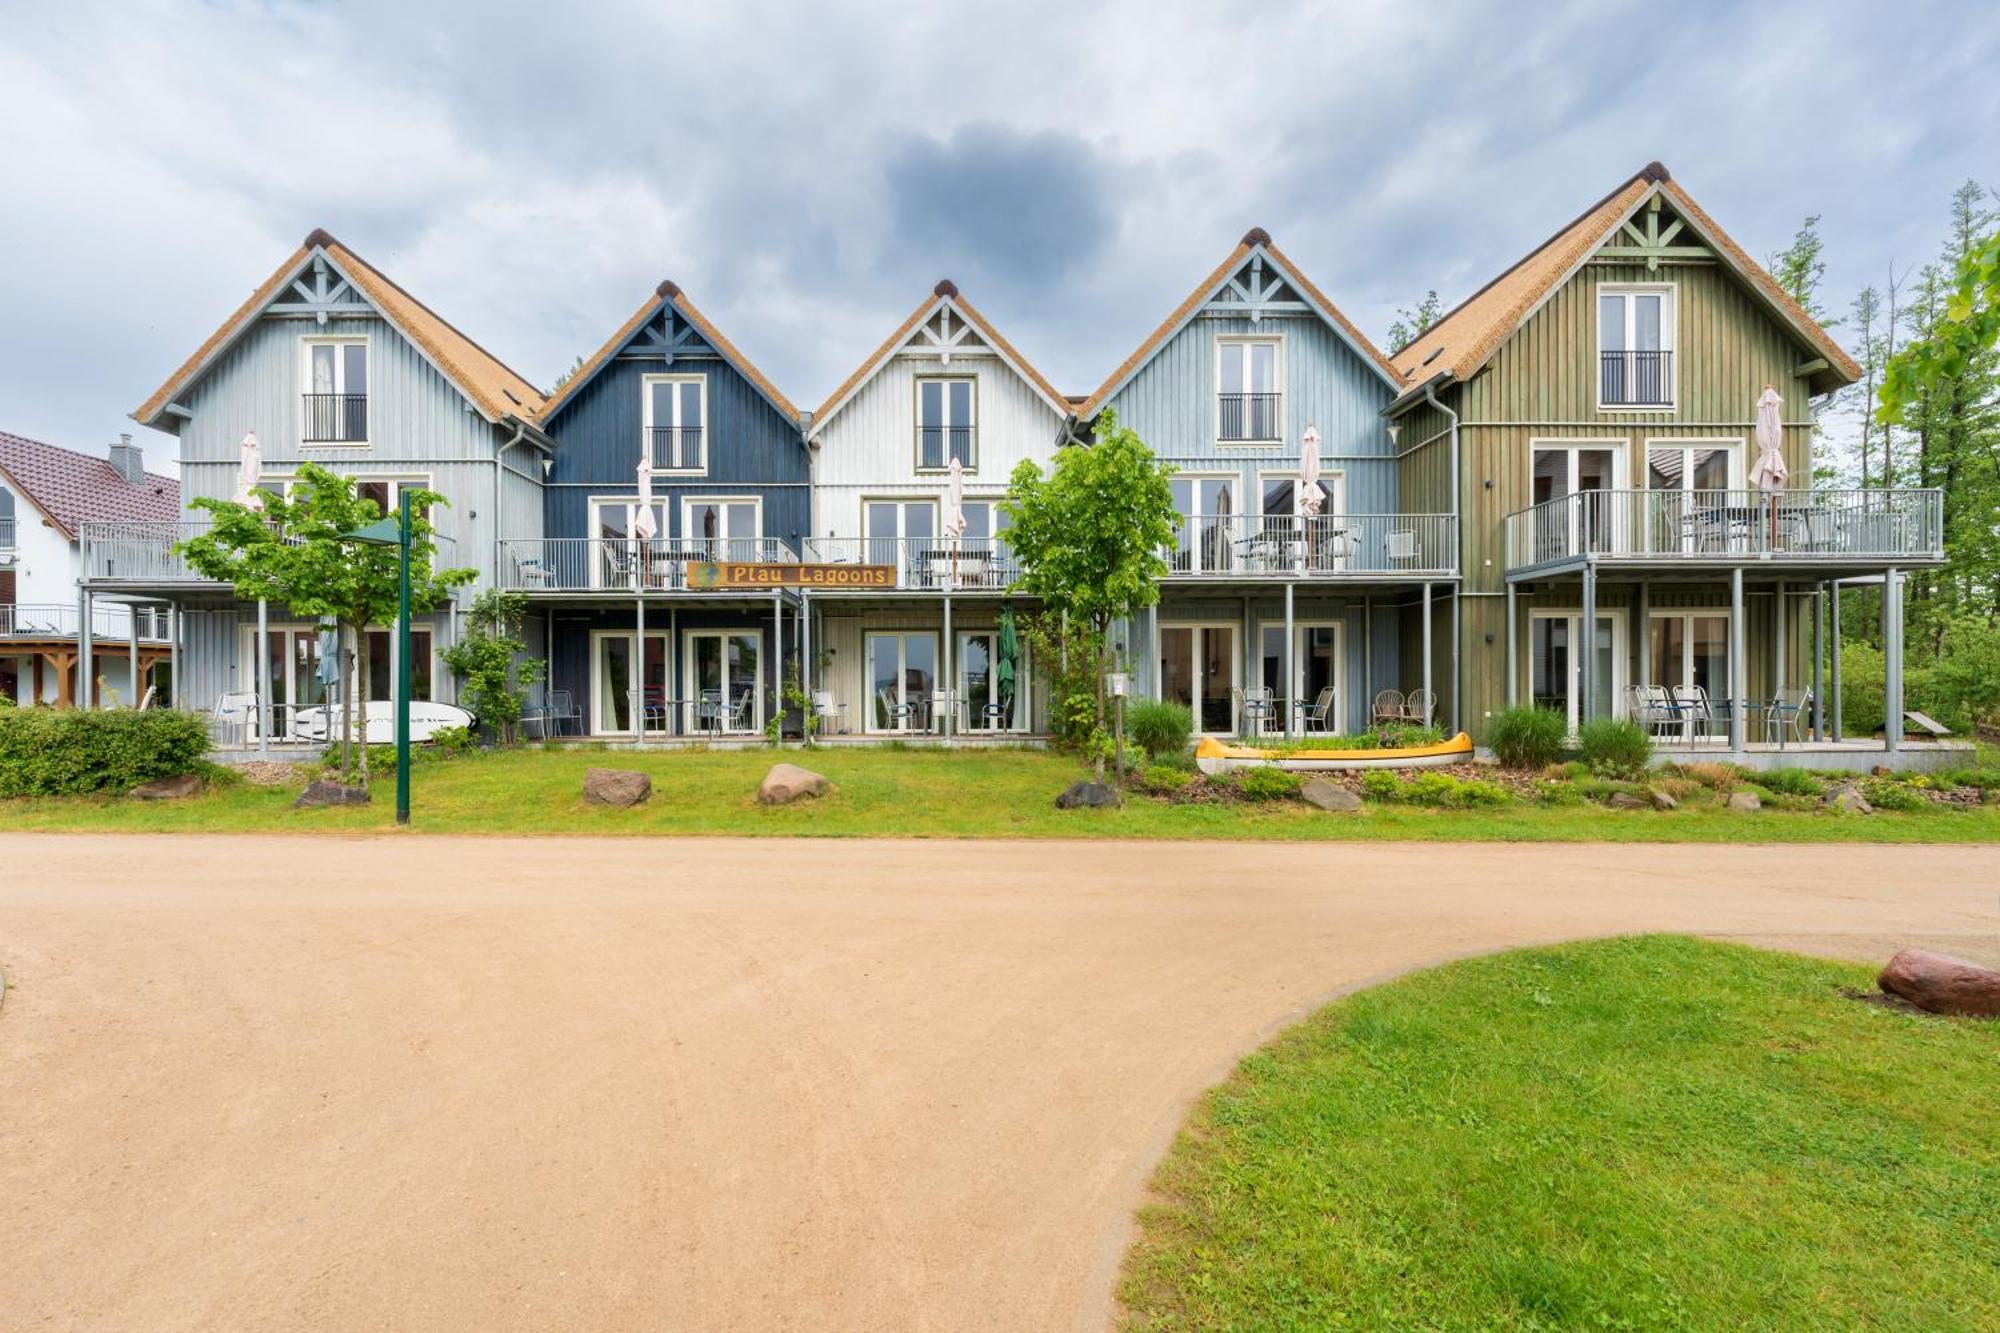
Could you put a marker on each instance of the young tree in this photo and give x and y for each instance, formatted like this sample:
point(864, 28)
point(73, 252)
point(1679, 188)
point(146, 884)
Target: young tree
point(1410, 324)
point(490, 664)
point(1800, 269)
point(1090, 538)
point(291, 551)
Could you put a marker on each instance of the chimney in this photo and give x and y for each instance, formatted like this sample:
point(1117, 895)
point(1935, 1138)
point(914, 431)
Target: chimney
point(129, 460)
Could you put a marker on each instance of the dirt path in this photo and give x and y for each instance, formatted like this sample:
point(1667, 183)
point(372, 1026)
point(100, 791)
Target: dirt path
point(427, 1083)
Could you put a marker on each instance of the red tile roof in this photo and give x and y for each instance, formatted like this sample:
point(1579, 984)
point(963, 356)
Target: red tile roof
point(73, 488)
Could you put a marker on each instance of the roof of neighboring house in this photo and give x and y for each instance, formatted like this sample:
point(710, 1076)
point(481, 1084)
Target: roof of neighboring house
point(667, 293)
point(73, 488)
point(1464, 339)
point(1254, 239)
point(945, 293)
point(482, 377)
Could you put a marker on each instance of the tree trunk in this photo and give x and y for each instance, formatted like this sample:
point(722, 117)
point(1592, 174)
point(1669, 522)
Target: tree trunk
point(346, 704)
point(1103, 638)
point(361, 697)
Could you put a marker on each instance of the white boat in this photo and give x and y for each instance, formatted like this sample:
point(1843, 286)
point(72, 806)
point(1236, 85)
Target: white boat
point(322, 724)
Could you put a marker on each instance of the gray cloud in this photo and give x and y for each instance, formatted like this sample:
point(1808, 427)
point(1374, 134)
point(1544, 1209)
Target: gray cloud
point(806, 173)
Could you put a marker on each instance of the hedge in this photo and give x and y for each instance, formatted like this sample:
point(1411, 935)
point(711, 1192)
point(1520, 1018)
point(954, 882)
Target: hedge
point(68, 751)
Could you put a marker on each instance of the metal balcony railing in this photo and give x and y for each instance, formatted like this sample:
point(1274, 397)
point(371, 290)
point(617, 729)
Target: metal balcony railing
point(1322, 546)
point(1248, 416)
point(939, 564)
point(584, 564)
point(938, 445)
point(1728, 525)
point(676, 448)
point(148, 553)
point(6, 534)
point(335, 418)
point(55, 621)
point(1635, 379)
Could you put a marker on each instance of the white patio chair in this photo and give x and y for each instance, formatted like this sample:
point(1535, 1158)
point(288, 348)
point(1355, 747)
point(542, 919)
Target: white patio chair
point(232, 717)
point(744, 711)
point(1690, 704)
point(1787, 715)
point(828, 713)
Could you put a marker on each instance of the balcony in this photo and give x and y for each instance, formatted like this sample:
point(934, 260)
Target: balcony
point(58, 622)
point(938, 445)
point(1804, 528)
point(1243, 418)
point(597, 564)
point(1635, 379)
point(676, 448)
point(148, 554)
point(1280, 546)
point(926, 564)
point(6, 534)
point(335, 418)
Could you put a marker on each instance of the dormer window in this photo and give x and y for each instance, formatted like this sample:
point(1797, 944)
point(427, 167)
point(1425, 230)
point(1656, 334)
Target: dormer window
point(334, 407)
point(1249, 391)
point(946, 428)
point(676, 414)
point(1635, 341)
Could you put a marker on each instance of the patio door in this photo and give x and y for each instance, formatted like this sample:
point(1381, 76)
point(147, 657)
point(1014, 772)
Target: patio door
point(611, 697)
point(902, 678)
point(1557, 674)
point(897, 531)
point(1201, 670)
point(291, 653)
point(724, 679)
point(1559, 472)
point(1691, 648)
point(1688, 488)
point(1317, 666)
point(1208, 507)
point(978, 651)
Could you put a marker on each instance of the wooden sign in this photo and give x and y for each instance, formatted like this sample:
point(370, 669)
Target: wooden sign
point(715, 576)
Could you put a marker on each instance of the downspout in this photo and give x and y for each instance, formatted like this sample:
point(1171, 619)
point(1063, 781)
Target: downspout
point(499, 466)
point(1458, 558)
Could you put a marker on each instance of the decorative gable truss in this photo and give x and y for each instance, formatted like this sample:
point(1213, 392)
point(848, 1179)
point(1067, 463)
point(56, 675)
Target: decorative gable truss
point(944, 333)
point(1652, 236)
point(1256, 290)
point(666, 337)
point(322, 293)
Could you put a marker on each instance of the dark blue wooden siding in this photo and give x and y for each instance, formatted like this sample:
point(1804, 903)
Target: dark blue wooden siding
point(752, 449)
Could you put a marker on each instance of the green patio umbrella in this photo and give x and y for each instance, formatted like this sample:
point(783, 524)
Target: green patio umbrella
point(1010, 652)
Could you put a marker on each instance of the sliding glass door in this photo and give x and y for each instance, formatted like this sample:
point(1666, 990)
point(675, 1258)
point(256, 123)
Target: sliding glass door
point(979, 686)
point(1688, 650)
point(902, 679)
point(725, 680)
point(1557, 669)
point(1201, 670)
point(1317, 662)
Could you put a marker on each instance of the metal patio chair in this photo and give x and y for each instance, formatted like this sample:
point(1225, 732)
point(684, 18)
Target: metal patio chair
point(561, 711)
point(231, 719)
point(893, 714)
point(1690, 703)
point(1319, 715)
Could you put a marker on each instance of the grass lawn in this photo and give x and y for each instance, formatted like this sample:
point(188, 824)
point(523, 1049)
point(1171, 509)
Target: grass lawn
point(1654, 1133)
point(919, 794)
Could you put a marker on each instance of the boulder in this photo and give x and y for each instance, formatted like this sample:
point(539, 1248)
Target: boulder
point(1942, 984)
point(1745, 802)
point(786, 783)
point(325, 791)
point(169, 789)
point(615, 786)
point(1624, 800)
point(1330, 796)
point(1849, 801)
point(1087, 796)
point(1884, 771)
point(1665, 801)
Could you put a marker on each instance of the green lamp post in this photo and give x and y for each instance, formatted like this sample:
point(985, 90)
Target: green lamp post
point(396, 532)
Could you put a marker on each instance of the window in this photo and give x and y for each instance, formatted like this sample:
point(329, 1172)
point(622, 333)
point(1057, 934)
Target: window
point(902, 533)
point(1559, 471)
point(1208, 509)
point(382, 663)
point(386, 492)
point(902, 679)
point(1248, 392)
point(1635, 340)
point(6, 517)
point(722, 527)
point(676, 413)
point(945, 425)
point(335, 402)
point(1693, 467)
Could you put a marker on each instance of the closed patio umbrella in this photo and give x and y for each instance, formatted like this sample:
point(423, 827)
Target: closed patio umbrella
point(643, 526)
point(249, 471)
point(1003, 666)
point(1769, 473)
point(954, 511)
point(1310, 497)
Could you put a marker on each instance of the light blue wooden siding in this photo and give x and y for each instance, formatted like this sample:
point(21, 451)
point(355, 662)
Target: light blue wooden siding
point(1171, 403)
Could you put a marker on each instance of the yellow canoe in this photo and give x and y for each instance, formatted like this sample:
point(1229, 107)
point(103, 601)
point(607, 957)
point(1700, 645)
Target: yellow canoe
point(1212, 756)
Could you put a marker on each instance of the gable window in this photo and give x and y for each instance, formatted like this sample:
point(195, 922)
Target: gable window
point(1635, 342)
point(6, 518)
point(945, 425)
point(334, 407)
point(676, 415)
point(1249, 391)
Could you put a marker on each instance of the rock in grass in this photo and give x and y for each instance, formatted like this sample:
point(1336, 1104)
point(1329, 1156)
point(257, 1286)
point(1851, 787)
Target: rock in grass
point(1330, 796)
point(1745, 802)
point(786, 783)
point(1087, 796)
point(1942, 984)
point(325, 791)
point(1624, 800)
point(169, 789)
point(615, 786)
point(1849, 801)
point(1665, 801)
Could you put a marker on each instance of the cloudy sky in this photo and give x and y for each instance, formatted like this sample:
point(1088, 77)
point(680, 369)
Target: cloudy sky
point(806, 172)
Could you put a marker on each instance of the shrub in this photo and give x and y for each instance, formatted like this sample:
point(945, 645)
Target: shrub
point(1157, 727)
point(1791, 782)
point(1267, 784)
point(1441, 790)
point(1528, 737)
point(1377, 785)
point(1164, 779)
point(67, 752)
point(1615, 746)
point(492, 664)
point(1980, 779)
point(1889, 794)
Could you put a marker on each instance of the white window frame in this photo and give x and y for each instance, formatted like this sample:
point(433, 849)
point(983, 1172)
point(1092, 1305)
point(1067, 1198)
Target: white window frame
point(691, 714)
point(1334, 481)
point(1024, 702)
point(1194, 561)
point(1621, 656)
point(1276, 341)
point(1670, 314)
point(249, 654)
point(688, 502)
point(1299, 629)
point(335, 340)
point(398, 482)
point(971, 464)
point(1659, 613)
point(646, 383)
point(901, 726)
point(1736, 446)
point(1621, 464)
point(1203, 627)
